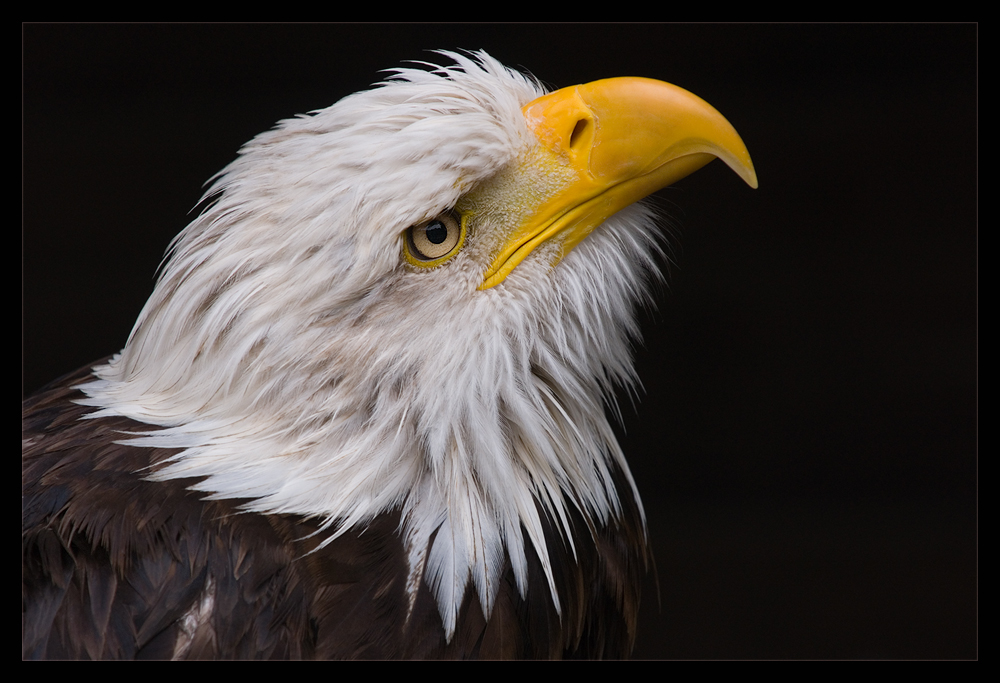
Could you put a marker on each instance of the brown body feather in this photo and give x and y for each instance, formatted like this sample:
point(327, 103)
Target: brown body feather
point(115, 566)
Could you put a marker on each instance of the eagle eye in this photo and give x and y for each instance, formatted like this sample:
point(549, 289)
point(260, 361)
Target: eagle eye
point(433, 242)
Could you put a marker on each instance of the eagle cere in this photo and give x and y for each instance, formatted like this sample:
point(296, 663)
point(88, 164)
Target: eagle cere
point(362, 413)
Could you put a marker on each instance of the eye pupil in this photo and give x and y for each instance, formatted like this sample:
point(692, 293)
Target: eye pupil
point(436, 232)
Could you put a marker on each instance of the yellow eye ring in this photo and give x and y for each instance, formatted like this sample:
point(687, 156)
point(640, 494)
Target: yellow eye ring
point(433, 242)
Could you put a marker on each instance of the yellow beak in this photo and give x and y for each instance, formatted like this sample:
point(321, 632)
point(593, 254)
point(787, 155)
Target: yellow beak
point(617, 140)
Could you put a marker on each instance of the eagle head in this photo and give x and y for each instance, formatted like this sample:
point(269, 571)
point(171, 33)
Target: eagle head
point(419, 299)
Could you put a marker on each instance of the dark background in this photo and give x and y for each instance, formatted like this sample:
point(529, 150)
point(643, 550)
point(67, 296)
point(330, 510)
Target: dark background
point(805, 439)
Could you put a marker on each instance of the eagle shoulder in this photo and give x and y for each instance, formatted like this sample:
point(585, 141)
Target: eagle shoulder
point(117, 566)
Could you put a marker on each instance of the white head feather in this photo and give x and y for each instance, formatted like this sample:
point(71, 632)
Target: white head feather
point(297, 361)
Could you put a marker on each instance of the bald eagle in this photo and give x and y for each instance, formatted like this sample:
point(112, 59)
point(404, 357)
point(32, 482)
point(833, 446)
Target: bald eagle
point(362, 415)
